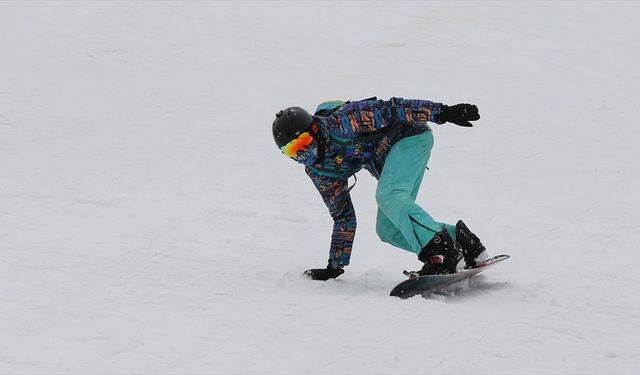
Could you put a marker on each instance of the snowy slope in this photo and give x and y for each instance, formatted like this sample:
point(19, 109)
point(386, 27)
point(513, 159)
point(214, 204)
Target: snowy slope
point(149, 225)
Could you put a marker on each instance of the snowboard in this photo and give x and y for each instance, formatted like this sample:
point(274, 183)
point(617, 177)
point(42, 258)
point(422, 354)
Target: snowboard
point(432, 283)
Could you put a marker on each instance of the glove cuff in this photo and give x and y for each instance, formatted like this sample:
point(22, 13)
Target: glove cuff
point(443, 116)
point(334, 270)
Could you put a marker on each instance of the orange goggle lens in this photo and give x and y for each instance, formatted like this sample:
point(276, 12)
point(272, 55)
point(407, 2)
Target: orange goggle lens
point(302, 143)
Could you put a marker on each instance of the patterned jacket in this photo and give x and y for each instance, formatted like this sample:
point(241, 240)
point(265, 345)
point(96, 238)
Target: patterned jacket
point(360, 135)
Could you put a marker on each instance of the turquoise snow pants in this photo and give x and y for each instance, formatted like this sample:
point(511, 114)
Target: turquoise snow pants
point(401, 222)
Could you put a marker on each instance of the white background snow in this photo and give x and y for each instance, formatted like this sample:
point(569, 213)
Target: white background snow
point(148, 224)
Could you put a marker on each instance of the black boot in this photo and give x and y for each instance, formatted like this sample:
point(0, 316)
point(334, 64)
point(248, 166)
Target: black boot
point(441, 256)
point(472, 249)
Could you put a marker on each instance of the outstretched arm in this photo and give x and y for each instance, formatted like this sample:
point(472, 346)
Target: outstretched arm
point(376, 114)
point(425, 110)
point(335, 194)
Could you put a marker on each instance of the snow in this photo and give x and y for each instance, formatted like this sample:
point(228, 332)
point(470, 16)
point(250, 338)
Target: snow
point(149, 225)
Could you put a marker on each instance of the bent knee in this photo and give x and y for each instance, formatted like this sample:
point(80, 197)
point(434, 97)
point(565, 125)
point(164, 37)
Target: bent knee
point(381, 195)
point(380, 230)
point(385, 195)
point(385, 229)
point(386, 198)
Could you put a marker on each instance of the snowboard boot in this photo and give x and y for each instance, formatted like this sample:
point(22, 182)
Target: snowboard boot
point(472, 249)
point(441, 256)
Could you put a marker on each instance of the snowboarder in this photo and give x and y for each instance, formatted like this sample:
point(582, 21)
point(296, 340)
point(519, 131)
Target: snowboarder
point(391, 140)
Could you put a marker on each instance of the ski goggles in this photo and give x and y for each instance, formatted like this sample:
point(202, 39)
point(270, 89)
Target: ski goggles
point(301, 144)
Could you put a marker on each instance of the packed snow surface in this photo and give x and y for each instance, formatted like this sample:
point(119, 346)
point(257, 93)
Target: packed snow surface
point(148, 224)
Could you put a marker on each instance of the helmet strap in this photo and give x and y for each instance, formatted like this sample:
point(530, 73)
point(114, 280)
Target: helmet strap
point(315, 132)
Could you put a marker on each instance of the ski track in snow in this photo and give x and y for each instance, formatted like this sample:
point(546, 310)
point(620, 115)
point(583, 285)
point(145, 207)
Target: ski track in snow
point(149, 225)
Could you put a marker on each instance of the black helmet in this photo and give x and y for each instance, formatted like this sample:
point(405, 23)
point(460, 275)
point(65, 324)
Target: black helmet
point(289, 124)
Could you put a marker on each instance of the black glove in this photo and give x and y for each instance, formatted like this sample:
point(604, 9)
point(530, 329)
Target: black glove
point(460, 114)
point(324, 274)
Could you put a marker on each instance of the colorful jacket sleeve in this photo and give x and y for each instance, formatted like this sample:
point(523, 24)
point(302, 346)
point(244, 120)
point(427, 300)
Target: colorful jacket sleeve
point(335, 194)
point(416, 110)
point(366, 116)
